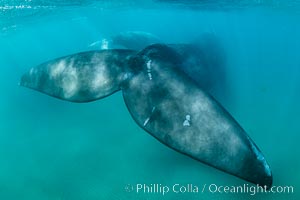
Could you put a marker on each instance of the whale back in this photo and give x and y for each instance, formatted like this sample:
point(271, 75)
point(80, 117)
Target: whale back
point(136, 40)
point(80, 77)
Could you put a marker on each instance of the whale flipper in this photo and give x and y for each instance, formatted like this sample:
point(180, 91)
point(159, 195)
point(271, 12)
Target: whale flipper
point(80, 77)
point(174, 109)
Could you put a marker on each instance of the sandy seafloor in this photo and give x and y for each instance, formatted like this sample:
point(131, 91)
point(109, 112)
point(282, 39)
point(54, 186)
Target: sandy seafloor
point(56, 150)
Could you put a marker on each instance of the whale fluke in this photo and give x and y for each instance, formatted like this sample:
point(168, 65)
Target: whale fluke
point(81, 77)
point(162, 99)
point(170, 106)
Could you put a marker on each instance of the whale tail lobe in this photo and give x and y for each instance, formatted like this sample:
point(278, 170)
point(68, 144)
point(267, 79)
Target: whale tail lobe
point(174, 109)
point(81, 77)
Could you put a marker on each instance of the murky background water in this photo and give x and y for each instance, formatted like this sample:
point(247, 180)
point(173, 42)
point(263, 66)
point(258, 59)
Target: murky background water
point(51, 149)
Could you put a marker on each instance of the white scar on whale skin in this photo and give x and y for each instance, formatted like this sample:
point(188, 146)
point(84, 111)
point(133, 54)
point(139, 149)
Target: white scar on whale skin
point(147, 120)
point(187, 121)
point(104, 43)
point(149, 70)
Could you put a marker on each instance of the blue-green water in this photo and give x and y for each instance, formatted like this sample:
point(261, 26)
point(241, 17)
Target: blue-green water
point(56, 150)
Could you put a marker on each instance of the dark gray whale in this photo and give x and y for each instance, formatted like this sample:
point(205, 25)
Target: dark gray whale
point(162, 99)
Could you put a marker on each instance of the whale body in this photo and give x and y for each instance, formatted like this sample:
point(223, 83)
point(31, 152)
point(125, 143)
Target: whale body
point(162, 99)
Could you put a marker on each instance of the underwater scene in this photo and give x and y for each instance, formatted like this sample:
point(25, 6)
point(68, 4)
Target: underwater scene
point(154, 99)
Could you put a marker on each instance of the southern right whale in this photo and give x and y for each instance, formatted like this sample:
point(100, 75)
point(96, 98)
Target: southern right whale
point(162, 99)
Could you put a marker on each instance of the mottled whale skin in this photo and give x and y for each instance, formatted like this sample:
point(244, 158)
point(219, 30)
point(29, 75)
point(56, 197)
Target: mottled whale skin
point(176, 111)
point(162, 99)
point(82, 77)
